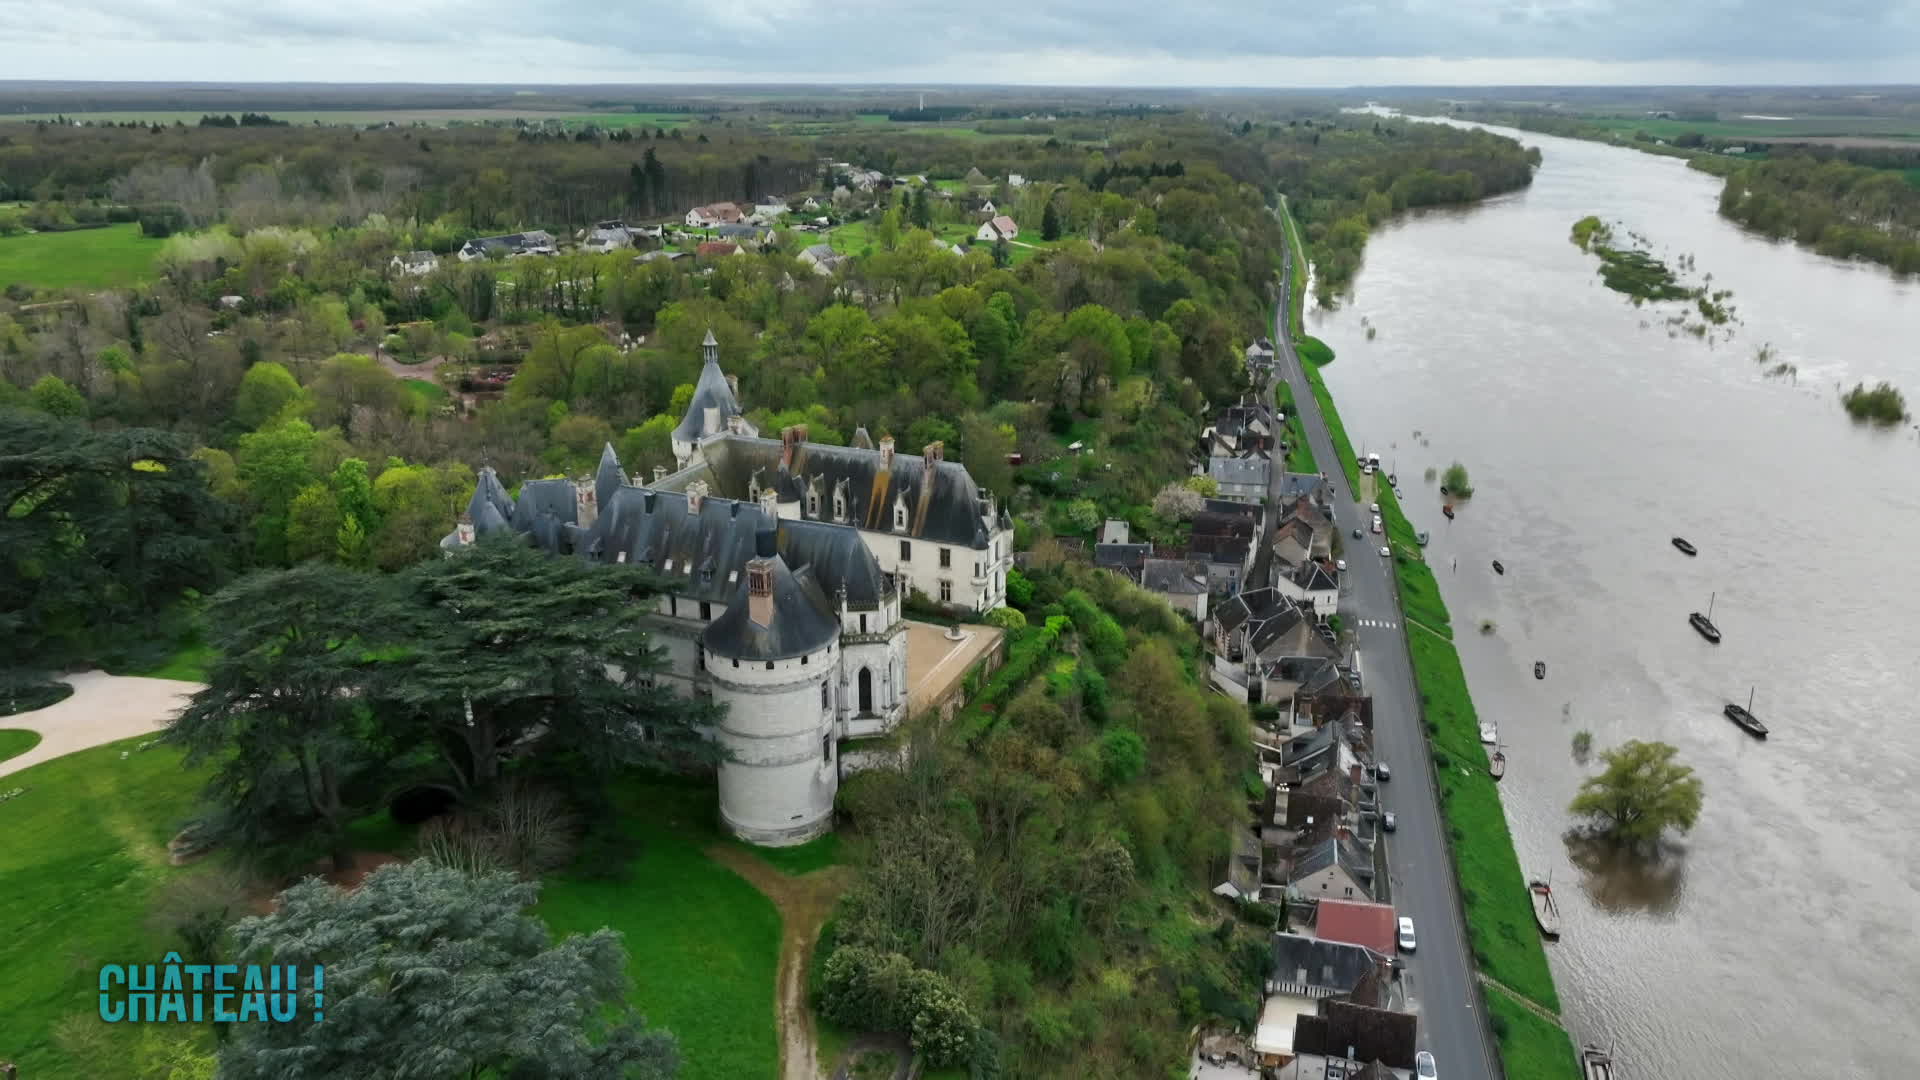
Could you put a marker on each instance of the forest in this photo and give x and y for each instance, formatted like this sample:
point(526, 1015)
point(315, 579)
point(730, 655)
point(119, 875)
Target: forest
point(278, 410)
point(1832, 206)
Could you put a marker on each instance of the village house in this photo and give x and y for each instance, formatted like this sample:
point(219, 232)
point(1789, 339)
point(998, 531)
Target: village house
point(1261, 358)
point(1263, 646)
point(1223, 535)
point(1313, 584)
point(1243, 479)
point(414, 263)
point(511, 245)
point(922, 516)
point(1307, 971)
point(717, 248)
point(822, 258)
point(742, 234)
point(766, 211)
point(654, 256)
point(1000, 228)
point(1357, 922)
point(1245, 429)
point(1180, 582)
point(720, 213)
point(606, 236)
point(1241, 874)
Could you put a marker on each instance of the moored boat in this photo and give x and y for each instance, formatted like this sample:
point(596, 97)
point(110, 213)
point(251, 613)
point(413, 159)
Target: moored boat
point(1539, 669)
point(1497, 765)
point(1744, 717)
point(1704, 623)
point(1489, 733)
point(1595, 1063)
point(1685, 547)
point(1498, 569)
point(1546, 913)
point(1447, 510)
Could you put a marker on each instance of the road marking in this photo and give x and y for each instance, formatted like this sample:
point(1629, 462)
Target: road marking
point(1384, 624)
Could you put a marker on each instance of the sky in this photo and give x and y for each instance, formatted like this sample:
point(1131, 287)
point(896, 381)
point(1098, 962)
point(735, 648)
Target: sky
point(1244, 43)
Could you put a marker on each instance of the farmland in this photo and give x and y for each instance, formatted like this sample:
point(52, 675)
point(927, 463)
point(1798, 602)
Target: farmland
point(83, 258)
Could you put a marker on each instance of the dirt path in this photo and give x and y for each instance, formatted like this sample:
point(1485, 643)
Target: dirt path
point(102, 708)
point(804, 903)
point(423, 370)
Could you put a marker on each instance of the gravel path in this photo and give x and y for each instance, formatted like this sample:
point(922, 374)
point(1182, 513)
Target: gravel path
point(102, 708)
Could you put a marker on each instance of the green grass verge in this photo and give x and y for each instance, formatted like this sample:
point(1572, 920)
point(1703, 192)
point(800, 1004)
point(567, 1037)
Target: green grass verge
point(432, 393)
point(1506, 944)
point(1299, 452)
point(84, 854)
point(1335, 429)
point(15, 741)
point(703, 943)
point(816, 854)
point(83, 258)
point(1419, 590)
point(1532, 1047)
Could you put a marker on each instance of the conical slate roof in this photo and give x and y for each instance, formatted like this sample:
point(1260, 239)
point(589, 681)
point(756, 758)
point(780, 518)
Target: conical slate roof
point(711, 392)
point(609, 478)
point(802, 621)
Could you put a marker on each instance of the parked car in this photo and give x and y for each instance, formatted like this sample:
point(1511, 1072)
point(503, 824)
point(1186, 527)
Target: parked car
point(1376, 524)
point(1340, 565)
point(1385, 551)
point(1375, 508)
point(1406, 933)
point(1423, 1066)
point(1357, 534)
point(1383, 771)
point(1387, 823)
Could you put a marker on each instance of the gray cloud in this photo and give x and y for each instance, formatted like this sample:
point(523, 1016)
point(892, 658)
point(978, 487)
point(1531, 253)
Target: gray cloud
point(1183, 41)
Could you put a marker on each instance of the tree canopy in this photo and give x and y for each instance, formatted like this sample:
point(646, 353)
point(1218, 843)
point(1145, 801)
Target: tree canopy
point(1641, 794)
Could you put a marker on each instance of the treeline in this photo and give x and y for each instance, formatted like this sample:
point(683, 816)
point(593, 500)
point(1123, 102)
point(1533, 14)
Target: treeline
point(1834, 207)
point(1344, 178)
point(246, 119)
point(1030, 892)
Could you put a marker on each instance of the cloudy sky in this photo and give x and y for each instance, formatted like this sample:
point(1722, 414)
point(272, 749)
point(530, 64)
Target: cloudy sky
point(1083, 42)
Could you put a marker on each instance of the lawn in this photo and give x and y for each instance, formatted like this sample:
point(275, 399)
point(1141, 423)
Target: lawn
point(432, 393)
point(855, 237)
point(816, 854)
point(14, 742)
point(85, 852)
point(84, 258)
point(187, 664)
point(1335, 429)
point(1299, 451)
point(1531, 1047)
point(704, 944)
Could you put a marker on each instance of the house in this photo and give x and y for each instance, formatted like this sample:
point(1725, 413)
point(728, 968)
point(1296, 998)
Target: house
point(721, 213)
point(414, 263)
point(921, 516)
point(985, 208)
point(792, 625)
point(769, 208)
point(1293, 680)
point(1242, 872)
point(1357, 922)
point(1115, 531)
point(810, 203)
point(1128, 560)
point(1243, 479)
point(1260, 358)
point(1314, 968)
point(1344, 1028)
point(653, 256)
point(1223, 534)
point(716, 248)
point(1015, 180)
point(743, 234)
point(1246, 429)
point(975, 178)
point(1180, 582)
point(1000, 228)
point(607, 236)
point(1312, 486)
point(823, 259)
point(1264, 647)
point(511, 245)
point(1311, 583)
point(1335, 867)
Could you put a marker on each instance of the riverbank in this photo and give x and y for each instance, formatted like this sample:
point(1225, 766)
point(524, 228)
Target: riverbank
point(1506, 946)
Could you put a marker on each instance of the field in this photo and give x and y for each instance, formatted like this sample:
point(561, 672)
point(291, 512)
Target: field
point(704, 944)
point(363, 117)
point(432, 393)
point(1731, 127)
point(85, 852)
point(84, 258)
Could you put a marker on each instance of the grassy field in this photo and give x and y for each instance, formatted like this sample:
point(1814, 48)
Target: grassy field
point(432, 393)
point(815, 854)
point(84, 258)
point(188, 664)
point(1419, 592)
point(84, 854)
point(1732, 127)
point(362, 117)
point(669, 121)
point(1532, 1047)
point(704, 944)
point(856, 236)
point(14, 742)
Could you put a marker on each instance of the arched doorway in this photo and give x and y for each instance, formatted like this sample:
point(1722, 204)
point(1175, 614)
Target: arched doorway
point(866, 690)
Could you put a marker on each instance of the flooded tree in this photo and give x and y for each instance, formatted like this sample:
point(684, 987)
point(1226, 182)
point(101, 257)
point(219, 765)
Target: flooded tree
point(1642, 793)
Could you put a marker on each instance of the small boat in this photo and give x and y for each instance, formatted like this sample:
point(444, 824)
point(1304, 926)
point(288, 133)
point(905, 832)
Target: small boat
point(1539, 669)
point(1546, 913)
point(1595, 1063)
point(1748, 722)
point(1498, 569)
point(1489, 733)
point(1421, 539)
point(1704, 623)
point(1497, 764)
point(1685, 548)
point(1447, 510)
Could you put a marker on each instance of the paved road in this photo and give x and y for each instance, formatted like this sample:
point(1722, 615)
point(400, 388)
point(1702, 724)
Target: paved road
point(103, 708)
point(1441, 972)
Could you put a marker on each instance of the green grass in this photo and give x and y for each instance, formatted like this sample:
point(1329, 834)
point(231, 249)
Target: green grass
point(1735, 128)
point(704, 944)
point(816, 854)
point(1342, 446)
point(669, 121)
point(188, 664)
point(15, 741)
point(1532, 1048)
point(432, 393)
point(83, 258)
point(85, 851)
point(1419, 592)
point(855, 237)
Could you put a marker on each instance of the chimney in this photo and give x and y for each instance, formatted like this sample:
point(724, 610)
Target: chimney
point(790, 440)
point(1356, 773)
point(696, 495)
point(886, 451)
point(733, 386)
point(659, 473)
point(760, 579)
point(935, 452)
point(586, 503)
point(736, 424)
point(464, 530)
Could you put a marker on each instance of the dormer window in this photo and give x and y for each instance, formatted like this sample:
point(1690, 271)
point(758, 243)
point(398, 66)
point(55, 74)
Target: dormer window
point(813, 504)
point(839, 507)
point(900, 515)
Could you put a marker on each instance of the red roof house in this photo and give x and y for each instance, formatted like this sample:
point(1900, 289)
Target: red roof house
point(1357, 923)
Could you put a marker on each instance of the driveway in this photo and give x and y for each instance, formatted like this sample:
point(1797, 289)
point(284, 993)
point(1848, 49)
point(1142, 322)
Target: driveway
point(102, 709)
point(1440, 976)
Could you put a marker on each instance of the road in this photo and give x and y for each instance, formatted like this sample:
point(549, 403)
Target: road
point(1440, 973)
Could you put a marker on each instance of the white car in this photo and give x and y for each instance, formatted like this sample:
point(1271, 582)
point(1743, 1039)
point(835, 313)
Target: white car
point(1385, 551)
point(1423, 1066)
point(1406, 933)
point(1340, 565)
point(1376, 524)
point(1375, 508)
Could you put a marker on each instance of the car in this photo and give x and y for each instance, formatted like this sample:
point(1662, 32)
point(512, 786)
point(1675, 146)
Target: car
point(1406, 933)
point(1388, 823)
point(1375, 508)
point(1383, 771)
point(1385, 551)
point(1376, 525)
point(1423, 1066)
point(1357, 534)
point(1340, 565)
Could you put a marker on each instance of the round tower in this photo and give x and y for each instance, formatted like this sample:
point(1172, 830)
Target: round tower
point(771, 656)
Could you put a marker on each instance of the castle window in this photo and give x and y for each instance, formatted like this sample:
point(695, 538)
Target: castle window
point(906, 551)
point(700, 654)
point(900, 517)
point(826, 747)
point(946, 592)
point(706, 610)
point(823, 695)
point(813, 505)
point(863, 624)
point(769, 665)
point(946, 559)
point(839, 507)
point(803, 661)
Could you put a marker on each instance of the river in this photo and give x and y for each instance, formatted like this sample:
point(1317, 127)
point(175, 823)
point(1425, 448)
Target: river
point(1782, 937)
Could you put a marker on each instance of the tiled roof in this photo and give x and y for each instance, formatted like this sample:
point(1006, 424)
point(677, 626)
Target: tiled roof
point(1357, 923)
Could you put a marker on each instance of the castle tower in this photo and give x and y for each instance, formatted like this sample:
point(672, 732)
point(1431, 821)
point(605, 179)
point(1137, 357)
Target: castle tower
point(714, 406)
point(771, 657)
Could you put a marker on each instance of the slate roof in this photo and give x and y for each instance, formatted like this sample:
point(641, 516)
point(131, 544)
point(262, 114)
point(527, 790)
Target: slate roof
point(1373, 1034)
point(1312, 576)
point(943, 504)
point(1250, 472)
point(1332, 851)
point(1128, 557)
point(802, 620)
point(1330, 966)
point(1293, 485)
point(817, 252)
point(711, 391)
point(1176, 577)
point(1265, 614)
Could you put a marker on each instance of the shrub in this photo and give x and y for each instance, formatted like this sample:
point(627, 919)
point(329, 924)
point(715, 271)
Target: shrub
point(1084, 514)
point(1007, 618)
point(1019, 589)
point(1884, 404)
point(1123, 756)
point(1456, 481)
